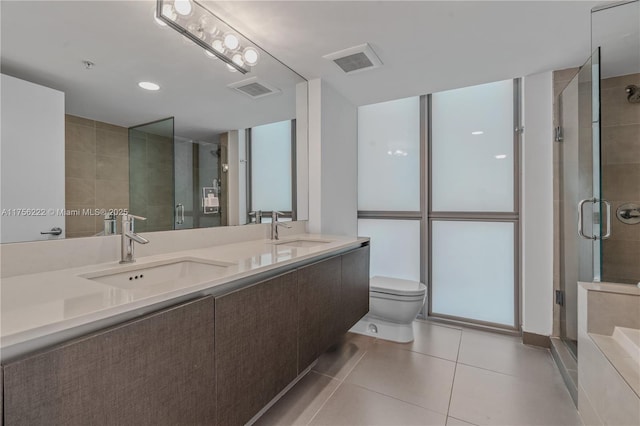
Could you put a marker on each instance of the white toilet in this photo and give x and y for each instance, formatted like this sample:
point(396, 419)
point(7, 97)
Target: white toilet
point(393, 305)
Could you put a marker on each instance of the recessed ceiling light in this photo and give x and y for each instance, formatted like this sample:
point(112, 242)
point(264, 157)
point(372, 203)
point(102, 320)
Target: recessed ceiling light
point(501, 156)
point(477, 132)
point(231, 42)
point(147, 85)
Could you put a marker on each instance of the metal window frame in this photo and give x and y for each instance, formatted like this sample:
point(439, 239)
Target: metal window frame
point(504, 217)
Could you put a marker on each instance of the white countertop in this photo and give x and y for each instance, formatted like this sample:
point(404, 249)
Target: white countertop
point(38, 305)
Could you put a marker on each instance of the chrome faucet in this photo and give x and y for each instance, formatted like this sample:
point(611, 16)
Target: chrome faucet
point(129, 236)
point(275, 224)
point(257, 215)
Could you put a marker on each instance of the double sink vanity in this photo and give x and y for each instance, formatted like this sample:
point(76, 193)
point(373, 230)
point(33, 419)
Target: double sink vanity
point(204, 336)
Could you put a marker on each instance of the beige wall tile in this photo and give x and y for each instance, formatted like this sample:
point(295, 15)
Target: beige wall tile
point(112, 128)
point(80, 138)
point(615, 108)
point(80, 191)
point(620, 81)
point(112, 194)
point(80, 164)
point(620, 262)
point(620, 182)
point(113, 144)
point(621, 144)
point(113, 168)
point(77, 222)
point(73, 119)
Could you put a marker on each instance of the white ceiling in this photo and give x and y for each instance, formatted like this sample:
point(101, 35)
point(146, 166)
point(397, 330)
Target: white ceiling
point(426, 46)
point(45, 42)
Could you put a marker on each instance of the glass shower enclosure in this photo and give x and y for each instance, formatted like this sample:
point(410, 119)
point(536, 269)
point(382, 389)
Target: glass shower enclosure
point(580, 190)
point(599, 167)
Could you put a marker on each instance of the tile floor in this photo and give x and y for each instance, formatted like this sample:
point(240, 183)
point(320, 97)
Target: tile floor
point(447, 376)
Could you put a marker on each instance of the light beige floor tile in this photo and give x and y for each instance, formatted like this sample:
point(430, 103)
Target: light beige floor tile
point(352, 405)
point(452, 421)
point(506, 354)
point(408, 376)
point(431, 339)
point(488, 398)
point(338, 361)
point(301, 403)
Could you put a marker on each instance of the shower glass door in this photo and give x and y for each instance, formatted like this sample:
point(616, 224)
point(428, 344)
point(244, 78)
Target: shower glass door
point(580, 211)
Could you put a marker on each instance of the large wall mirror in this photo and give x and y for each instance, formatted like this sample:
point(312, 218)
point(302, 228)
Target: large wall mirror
point(82, 142)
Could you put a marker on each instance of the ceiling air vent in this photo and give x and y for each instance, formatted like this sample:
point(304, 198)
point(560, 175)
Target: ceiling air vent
point(355, 59)
point(254, 88)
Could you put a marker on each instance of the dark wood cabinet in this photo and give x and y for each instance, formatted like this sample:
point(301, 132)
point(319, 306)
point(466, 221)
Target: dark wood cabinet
point(256, 346)
point(355, 287)
point(319, 322)
point(215, 360)
point(157, 370)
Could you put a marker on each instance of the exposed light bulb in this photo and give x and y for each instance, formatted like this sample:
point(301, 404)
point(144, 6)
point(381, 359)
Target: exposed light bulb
point(251, 55)
point(237, 58)
point(231, 41)
point(218, 45)
point(147, 85)
point(169, 12)
point(183, 7)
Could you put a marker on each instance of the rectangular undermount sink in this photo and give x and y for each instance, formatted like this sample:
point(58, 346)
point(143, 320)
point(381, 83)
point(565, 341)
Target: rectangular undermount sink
point(162, 274)
point(302, 243)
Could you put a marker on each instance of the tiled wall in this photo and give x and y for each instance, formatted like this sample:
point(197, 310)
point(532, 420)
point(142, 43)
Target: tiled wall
point(96, 172)
point(620, 150)
point(152, 180)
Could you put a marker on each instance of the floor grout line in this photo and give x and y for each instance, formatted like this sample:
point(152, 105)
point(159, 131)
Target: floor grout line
point(396, 398)
point(453, 380)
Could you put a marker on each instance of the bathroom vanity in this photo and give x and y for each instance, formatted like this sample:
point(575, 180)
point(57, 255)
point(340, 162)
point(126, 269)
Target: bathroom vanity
point(215, 352)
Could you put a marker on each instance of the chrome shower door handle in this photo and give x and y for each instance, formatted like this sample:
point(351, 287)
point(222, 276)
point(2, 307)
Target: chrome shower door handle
point(608, 208)
point(581, 219)
point(180, 214)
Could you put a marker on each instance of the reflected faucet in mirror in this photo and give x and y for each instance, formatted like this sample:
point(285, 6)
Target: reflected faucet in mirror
point(129, 236)
point(275, 224)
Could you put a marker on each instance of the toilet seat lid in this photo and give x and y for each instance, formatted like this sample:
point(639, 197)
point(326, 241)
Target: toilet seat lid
point(397, 286)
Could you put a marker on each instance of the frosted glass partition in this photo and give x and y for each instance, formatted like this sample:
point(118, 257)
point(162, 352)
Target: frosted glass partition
point(472, 149)
point(395, 247)
point(473, 270)
point(271, 166)
point(389, 156)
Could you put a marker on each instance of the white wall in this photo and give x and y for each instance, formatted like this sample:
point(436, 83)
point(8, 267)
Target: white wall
point(333, 159)
point(32, 145)
point(537, 205)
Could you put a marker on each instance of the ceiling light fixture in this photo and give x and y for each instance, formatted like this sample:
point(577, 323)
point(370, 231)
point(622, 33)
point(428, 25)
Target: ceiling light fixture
point(477, 132)
point(147, 85)
point(501, 156)
point(199, 25)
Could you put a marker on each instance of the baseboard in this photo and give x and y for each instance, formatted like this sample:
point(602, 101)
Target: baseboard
point(536, 340)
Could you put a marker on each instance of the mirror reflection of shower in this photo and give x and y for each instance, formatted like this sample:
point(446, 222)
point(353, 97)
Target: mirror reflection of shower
point(198, 183)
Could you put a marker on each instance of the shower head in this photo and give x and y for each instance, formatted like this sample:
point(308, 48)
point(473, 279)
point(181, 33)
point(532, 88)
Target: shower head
point(633, 93)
